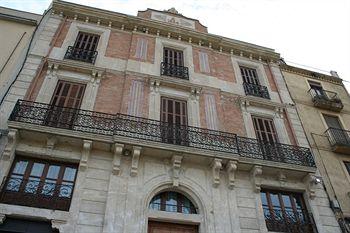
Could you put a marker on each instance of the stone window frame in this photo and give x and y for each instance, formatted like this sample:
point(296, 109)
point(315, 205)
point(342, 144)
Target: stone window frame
point(260, 70)
point(72, 34)
point(332, 114)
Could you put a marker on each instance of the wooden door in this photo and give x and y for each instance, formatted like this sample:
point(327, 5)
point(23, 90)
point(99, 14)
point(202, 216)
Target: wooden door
point(173, 57)
point(174, 118)
point(65, 103)
point(163, 227)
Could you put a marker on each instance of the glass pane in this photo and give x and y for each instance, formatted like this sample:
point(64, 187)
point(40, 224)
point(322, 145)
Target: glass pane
point(20, 167)
point(155, 203)
point(37, 169)
point(274, 200)
point(69, 174)
point(186, 208)
point(66, 189)
point(263, 199)
point(171, 202)
point(53, 172)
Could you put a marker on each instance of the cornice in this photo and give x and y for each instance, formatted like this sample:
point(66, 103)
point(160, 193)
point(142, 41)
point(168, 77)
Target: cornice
point(18, 19)
point(74, 65)
point(149, 26)
point(311, 74)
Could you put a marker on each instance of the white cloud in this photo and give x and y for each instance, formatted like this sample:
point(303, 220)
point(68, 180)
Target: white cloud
point(313, 32)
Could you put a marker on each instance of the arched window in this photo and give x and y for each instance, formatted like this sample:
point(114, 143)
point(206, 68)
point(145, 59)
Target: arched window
point(172, 202)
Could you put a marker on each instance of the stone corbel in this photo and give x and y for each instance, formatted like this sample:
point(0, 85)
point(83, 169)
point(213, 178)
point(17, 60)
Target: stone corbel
point(50, 143)
point(85, 154)
point(255, 177)
point(282, 178)
point(136, 152)
point(216, 167)
point(176, 164)
point(244, 105)
point(311, 181)
point(154, 86)
point(279, 112)
point(10, 148)
point(57, 224)
point(195, 92)
point(117, 150)
point(231, 168)
point(2, 218)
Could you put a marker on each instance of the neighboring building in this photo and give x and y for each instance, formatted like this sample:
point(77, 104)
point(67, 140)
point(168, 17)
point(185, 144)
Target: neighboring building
point(323, 104)
point(17, 28)
point(151, 124)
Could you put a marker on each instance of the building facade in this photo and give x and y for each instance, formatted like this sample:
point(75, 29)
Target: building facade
point(323, 104)
point(19, 27)
point(152, 124)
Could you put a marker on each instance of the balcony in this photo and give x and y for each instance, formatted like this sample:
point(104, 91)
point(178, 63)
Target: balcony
point(157, 131)
point(35, 193)
point(339, 140)
point(326, 100)
point(289, 221)
point(81, 55)
point(174, 71)
point(256, 90)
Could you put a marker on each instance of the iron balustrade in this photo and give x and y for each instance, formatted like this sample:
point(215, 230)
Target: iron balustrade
point(157, 131)
point(81, 54)
point(174, 70)
point(290, 221)
point(178, 208)
point(256, 90)
point(325, 99)
point(33, 192)
point(338, 137)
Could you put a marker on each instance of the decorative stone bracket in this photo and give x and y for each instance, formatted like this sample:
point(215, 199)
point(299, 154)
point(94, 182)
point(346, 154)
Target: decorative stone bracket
point(85, 154)
point(176, 164)
point(231, 168)
point(255, 176)
point(10, 148)
point(216, 166)
point(154, 86)
point(50, 143)
point(136, 152)
point(195, 93)
point(311, 181)
point(57, 224)
point(117, 150)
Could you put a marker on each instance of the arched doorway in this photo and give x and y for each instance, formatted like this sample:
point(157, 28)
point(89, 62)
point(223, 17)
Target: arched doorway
point(173, 209)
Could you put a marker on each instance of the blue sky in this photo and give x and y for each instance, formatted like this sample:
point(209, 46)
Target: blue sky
point(314, 33)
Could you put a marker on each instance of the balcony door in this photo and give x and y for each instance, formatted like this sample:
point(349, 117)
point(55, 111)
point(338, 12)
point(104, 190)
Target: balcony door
point(336, 130)
point(249, 75)
point(266, 134)
point(65, 103)
point(173, 57)
point(174, 121)
point(86, 41)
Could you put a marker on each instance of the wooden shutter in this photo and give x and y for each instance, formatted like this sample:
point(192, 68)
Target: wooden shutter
point(174, 111)
point(204, 62)
point(173, 57)
point(264, 130)
point(68, 94)
point(86, 41)
point(141, 48)
point(249, 75)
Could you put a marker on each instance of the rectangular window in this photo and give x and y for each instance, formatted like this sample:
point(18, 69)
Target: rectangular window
point(174, 118)
point(265, 129)
point(141, 48)
point(332, 122)
point(317, 88)
point(173, 57)
point(285, 212)
point(249, 75)
point(40, 183)
point(86, 41)
point(204, 62)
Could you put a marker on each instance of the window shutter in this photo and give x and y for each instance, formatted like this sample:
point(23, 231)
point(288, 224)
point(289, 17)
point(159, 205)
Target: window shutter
point(136, 98)
point(211, 113)
point(204, 62)
point(141, 48)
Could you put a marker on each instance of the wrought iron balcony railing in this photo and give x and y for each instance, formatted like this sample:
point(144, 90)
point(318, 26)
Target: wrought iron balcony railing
point(326, 99)
point(157, 131)
point(339, 140)
point(81, 54)
point(290, 221)
point(256, 90)
point(33, 192)
point(174, 71)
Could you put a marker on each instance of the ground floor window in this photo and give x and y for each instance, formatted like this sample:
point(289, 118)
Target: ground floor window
point(285, 212)
point(11, 225)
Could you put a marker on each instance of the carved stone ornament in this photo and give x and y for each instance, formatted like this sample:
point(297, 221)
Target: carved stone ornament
point(255, 176)
point(216, 167)
point(136, 152)
point(12, 139)
point(173, 11)
point(57, 224)
point(117, 150)
point(231, 168)
point(85, 154)
point(311, 181)
point(176, 165)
